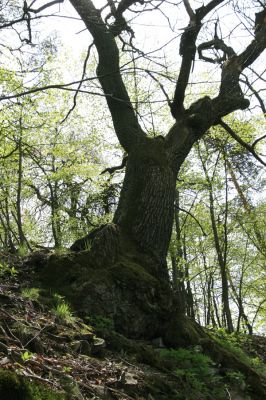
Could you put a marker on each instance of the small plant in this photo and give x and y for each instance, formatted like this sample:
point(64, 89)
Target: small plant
point(5, 269)
point(67, 369)
point(63, 311)
point(31, 293)
point(26, 356)
point(235, 377)
point(22, 250)
point(13, 271)
point(60, 251)
point(101, 323)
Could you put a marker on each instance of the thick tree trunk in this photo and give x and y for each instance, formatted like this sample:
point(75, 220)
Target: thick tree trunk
point(146, 207)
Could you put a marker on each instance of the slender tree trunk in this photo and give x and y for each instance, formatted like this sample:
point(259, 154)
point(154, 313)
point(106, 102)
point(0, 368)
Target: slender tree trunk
point(55, 219)
point(216, 309)
point(9, 231)
point(221, 253)
point(239, 300)
point(213, 321)
point(260, 242)
point(19, 188)
point(222, 264)
point(189, 295)
point(55, 209)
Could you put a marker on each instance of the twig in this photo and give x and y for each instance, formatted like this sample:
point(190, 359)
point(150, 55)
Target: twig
point(34, 337)
point(189, 213)
point(80, 83)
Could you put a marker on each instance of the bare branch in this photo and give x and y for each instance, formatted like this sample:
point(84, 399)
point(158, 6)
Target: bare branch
point(111, 170)
point(230, 97)
point(47, 5)
point(63, 86)
point(247, 146)
point(161, 86)
point(125, 121)
point(189, 9)
point(255, 92)
point(10, 153)
point(193, 216)
point(125, 4)
point(188, 50)
point(217, 44)
point(257, 141)
point(80, 84)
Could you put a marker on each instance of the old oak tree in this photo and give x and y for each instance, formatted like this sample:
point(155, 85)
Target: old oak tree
point(124, 273)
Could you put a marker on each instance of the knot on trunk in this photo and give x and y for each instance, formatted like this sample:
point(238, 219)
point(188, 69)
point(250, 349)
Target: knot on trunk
point(103, 243)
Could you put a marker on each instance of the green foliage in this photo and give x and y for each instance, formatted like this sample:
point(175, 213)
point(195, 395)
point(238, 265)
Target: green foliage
point(235, 377)
point(31, 293)
point(67, 369)
point(26, 356)
point(198, 378)
point(234, 342)
point(101, 324)
point(6, 269)
point(22, 250)
point(62, 310)
point(193, 361)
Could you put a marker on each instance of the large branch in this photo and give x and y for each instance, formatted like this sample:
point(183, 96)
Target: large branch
point(36, 11)
point(207, 112)
point(230, 96)
point(125, 121)
point(188, 51)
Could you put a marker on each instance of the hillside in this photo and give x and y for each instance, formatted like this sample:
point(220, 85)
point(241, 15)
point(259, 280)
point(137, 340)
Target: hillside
point(47, 352)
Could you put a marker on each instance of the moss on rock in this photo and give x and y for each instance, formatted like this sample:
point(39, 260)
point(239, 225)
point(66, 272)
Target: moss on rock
point(14, 387)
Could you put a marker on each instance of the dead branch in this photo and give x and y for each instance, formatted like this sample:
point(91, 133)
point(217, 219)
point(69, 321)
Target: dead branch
point(111, 170)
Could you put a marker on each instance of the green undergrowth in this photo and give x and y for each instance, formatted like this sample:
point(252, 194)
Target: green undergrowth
point(66, 343)
point(234, 343)
point(195, 375)
point(198, 376)
point(32, 294)
point(6, 269)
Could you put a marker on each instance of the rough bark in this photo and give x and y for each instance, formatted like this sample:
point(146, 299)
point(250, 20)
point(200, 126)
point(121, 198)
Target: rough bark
point(146, 205)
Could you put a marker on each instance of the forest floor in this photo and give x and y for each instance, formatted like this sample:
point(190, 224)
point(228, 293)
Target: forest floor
point(56, 355)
